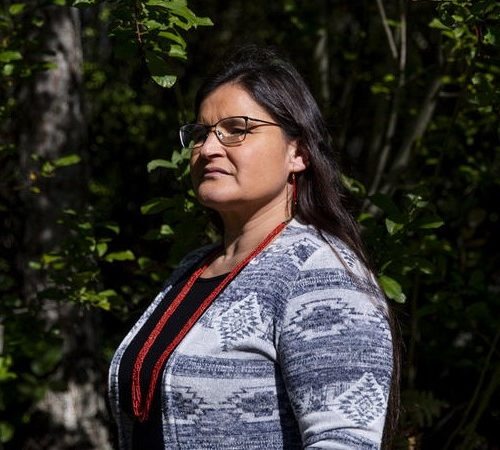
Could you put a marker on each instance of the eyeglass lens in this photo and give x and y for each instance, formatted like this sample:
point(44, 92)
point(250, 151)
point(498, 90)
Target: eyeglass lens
point(229, 131)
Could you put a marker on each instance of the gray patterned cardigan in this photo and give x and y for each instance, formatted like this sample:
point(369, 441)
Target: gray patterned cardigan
point(295, 353)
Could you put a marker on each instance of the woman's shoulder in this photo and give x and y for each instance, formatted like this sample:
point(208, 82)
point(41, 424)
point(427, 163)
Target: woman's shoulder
point(321, 249)
point(328, 262)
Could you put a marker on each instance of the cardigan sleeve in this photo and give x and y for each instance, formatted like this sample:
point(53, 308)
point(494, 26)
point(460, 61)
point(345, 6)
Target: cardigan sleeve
point(335, 353)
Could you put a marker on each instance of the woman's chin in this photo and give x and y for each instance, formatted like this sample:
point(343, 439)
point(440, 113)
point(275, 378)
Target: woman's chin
point(212, 200)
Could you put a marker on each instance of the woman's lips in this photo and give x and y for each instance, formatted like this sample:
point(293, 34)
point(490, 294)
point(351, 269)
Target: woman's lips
point(214, 172)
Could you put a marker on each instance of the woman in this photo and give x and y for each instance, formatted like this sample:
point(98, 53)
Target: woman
point(279, 336)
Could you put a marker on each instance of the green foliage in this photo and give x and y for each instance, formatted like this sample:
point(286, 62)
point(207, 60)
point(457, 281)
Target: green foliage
point(154, 34)
point(155, 28)
point(418, 123)
point(73, 270)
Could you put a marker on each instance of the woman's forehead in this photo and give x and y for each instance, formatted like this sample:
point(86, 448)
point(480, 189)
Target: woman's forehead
point(228, 100)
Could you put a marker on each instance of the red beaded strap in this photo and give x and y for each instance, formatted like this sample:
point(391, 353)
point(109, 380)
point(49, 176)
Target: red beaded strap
point(142, 407)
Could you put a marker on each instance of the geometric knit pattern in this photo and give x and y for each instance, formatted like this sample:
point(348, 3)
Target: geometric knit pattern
point(294, 353)
point(320, 317)
point(240, 321)
point(362, 403)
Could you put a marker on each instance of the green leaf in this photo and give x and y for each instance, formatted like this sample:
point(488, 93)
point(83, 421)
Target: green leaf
point(143, 262)
point(8, 70)
point(6, 432)
point(47, 169)
point(5, 364)
point(155, 163)
point(392, 288)
point(115, 228)
point(156, 205)
point(438, 25)
point(165, 81)
point(84, 2)
point(393, 227)
point(125, 255)
point(430, 222)
point(173, 37)
point(159, 69)
point(153, 24)
point(16, 8)
point(68, 160)
point(492, 36)
point(47, 258)
point(365, 216)
point(168, 4)
point(101, 248)
point(8, 56)
point(166, 230)
point(101, 300)
point(204, 22)
point(353, 185)
point(176, 51)
point(85, 226)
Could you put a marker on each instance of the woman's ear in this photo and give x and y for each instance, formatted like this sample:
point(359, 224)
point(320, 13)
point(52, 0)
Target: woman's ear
point(298, 157)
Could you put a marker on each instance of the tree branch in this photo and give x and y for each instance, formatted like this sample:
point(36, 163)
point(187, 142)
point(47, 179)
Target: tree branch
point(388, 33)
point(419, 126)
point(138, 25)
point(398, 91)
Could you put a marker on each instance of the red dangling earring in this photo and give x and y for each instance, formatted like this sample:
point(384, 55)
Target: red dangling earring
point(294, 193)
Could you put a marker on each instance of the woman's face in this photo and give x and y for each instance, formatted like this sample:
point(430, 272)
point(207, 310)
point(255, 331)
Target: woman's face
point(250, 175)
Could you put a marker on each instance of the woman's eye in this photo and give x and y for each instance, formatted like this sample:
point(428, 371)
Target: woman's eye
point(236, 130)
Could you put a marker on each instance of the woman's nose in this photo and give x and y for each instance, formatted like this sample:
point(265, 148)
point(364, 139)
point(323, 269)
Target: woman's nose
point(211, 146)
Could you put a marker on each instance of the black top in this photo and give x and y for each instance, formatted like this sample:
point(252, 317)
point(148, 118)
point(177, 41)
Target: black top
point(148, 434)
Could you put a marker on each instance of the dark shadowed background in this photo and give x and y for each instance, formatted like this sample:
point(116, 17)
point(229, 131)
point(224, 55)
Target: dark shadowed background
point(96, 208)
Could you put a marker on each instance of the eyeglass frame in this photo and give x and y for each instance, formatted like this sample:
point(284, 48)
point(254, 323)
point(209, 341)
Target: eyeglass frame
point(213, 128)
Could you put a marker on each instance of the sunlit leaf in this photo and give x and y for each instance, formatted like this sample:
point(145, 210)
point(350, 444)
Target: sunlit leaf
point(393, 227)
point(437, 24)
point(166, 230)
point(430, 222)
point(102, 248)
point(6, 432)
point(353, 185)
point(67, 160)
point(166, 81)
point(16, 8)
point(155, 163)
point(115, 228)
point(8, 56)
point(156, 205)
point(84, 2)
point(125, 255)
point(173, 37)
point(392, 288)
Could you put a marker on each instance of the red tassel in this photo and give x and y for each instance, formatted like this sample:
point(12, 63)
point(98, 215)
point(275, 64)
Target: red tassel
point(294, 193)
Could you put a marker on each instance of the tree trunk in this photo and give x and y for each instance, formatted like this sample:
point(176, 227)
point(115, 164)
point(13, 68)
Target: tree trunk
point(52, 126)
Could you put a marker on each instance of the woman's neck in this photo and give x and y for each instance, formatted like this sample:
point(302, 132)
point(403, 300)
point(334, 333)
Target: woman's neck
point(241, 237)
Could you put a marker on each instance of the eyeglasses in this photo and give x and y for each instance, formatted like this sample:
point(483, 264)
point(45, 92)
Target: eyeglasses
point(229, 131)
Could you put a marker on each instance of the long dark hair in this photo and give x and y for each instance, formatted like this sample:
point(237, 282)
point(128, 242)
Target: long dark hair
point(276, 85)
